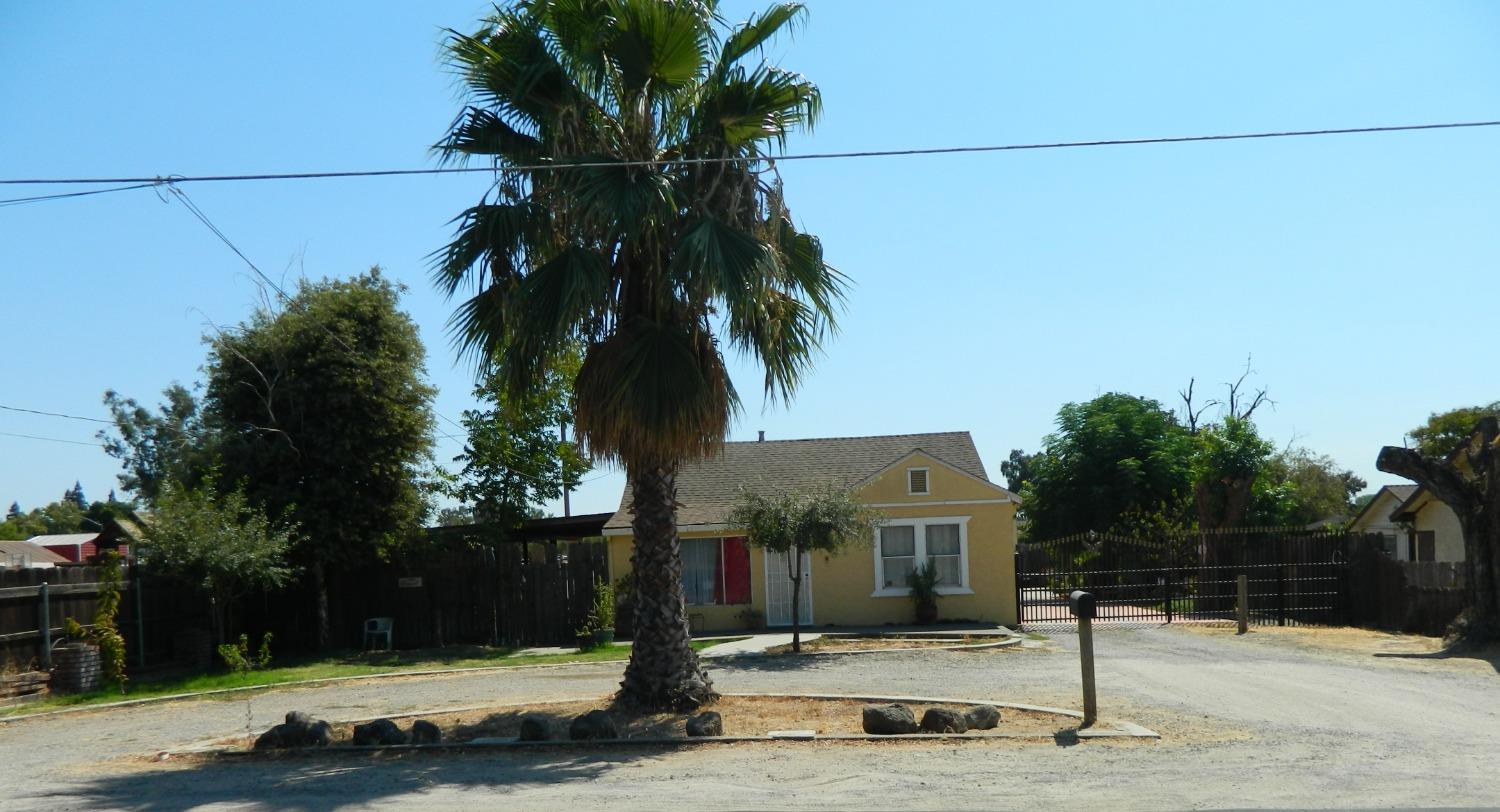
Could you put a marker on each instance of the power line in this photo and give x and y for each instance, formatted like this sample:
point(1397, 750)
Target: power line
point(48, 439)
point(54, 414)
point(809, 156)
point(16, 201)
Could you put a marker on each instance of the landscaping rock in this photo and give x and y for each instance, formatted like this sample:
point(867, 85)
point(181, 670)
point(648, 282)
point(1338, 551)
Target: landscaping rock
point(982, 717)
point(596, 724)
point(299, 730)
point(943, 720)
point(708, 723)
point(888, 720)
point(425, 732)
point(535, 728)
point(381, 732)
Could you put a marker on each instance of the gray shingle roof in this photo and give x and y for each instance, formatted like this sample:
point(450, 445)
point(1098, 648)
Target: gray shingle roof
point(28, 551)
point(707, 490)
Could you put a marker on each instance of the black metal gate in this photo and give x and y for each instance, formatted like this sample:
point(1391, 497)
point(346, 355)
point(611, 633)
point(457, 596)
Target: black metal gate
point(1296, 576)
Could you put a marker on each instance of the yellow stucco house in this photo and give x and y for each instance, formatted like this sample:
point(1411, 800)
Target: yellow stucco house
point(939, 506)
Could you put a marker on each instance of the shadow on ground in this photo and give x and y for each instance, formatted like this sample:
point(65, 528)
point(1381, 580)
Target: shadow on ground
point(1485, 654)
point(315, 782)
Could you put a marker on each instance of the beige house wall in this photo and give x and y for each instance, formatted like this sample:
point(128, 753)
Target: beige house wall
point(1443, 522)
point(843, 586)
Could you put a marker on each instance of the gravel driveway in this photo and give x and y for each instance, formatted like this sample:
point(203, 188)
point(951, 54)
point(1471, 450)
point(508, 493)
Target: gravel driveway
point(1264, 721)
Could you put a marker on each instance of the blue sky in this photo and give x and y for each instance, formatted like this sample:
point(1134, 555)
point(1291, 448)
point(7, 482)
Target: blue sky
point(990, 289)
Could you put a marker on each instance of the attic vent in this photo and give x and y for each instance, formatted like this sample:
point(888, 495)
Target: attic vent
point(916, 480)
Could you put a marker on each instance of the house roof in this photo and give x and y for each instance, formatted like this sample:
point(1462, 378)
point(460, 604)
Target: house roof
point(1398, 492)
point(1410, 504)
point(64, 538)
point(707, 490)
point(26, 549)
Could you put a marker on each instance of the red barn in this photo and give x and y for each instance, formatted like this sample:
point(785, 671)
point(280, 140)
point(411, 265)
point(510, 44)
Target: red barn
point(78, 548)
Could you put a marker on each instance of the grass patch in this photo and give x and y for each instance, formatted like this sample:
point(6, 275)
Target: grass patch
point(343, 664)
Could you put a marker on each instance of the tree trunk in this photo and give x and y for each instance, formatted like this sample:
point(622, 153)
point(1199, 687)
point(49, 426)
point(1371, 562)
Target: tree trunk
point(663, 672)
point(794, 569)
point(1468, 481)
point(320, 584)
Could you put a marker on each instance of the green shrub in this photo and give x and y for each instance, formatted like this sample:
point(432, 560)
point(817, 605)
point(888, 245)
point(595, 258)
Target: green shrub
point(237, 657)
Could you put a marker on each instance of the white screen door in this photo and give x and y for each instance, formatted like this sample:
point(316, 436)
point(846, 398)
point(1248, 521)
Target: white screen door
point(779, 590)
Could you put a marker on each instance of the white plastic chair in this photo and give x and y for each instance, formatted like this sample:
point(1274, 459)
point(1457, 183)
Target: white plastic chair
point(378, 627)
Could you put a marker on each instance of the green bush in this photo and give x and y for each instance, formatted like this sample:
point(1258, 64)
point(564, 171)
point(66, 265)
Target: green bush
point(237, 658)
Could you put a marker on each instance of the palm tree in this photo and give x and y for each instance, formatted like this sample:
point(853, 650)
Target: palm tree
point(635, 213)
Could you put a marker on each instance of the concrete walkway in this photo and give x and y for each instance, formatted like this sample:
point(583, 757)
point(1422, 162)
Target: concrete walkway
point(759, 642)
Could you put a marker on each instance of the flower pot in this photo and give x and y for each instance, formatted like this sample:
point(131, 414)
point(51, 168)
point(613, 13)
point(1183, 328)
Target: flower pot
point(927, 613)
point(604, 637)
point(586, 641)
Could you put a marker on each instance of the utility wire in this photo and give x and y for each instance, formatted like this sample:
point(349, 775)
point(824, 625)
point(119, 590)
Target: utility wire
point(16, 201)
point(809, 156)
point(54, 414)
point(48, 439)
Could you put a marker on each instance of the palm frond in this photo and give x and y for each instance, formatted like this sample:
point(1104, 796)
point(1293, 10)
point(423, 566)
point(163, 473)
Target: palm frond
point(761, 105)
point(654, 391)
point(489, 242)
point(480, 132)
point(756, 31)
point(660, 44)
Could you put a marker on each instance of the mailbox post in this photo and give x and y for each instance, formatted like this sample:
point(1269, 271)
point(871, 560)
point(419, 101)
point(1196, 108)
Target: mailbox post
point(1082, 604)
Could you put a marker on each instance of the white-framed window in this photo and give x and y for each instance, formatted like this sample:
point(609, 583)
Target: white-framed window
point(901, 545)
point(916, 482)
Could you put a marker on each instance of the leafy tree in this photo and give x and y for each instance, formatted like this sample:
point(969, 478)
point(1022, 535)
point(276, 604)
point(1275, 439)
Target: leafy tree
point(322, 411)
point(1298, 487)
point(454, 516)
point(171, 443)
point(1467, 479)
point(1227, 460)
point(1113, 456)
point(1445, 431)
point(515, 458)
point(640, 263)
point(796, 522)
point(217, 541)
point(1017, 469)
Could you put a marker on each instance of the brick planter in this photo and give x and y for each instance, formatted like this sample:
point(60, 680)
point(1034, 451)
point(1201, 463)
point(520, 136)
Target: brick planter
point(75, 668)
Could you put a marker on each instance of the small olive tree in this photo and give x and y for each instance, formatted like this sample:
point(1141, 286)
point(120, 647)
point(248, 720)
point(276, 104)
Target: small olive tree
point(796, 522)
point(219, 542)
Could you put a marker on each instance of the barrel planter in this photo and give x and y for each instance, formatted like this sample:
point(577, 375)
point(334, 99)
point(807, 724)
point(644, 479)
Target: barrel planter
point(75, 668)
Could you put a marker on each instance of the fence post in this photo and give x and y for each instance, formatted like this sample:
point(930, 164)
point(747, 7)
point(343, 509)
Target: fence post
point(1281, 594)
point(1244, 603)
point(140, 627)
point(1167, 588)
point(44, 612)
point(1016, 576)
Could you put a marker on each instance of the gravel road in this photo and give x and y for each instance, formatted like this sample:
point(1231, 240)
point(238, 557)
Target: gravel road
point(1265, 721)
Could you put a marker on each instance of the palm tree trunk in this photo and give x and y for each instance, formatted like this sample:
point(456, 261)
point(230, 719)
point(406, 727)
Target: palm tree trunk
point(663, 672)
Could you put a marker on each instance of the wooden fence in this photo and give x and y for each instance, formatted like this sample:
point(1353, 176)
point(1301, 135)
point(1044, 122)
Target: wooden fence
point(1404, 596)
point(498, 594)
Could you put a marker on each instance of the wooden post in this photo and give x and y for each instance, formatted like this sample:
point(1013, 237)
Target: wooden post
point(1086, 656)
point(1243, 610)
point(140, 627)
point(44, 614)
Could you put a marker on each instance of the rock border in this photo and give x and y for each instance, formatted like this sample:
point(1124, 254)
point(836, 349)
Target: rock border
point(1004, 641)
point(1119, 730)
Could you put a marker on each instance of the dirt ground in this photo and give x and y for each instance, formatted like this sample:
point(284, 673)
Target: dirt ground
point(743, 716)
point(1274, 719)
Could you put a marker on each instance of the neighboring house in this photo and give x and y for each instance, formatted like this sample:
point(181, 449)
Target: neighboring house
point(77, 548)
point(25, 555)
point(1432, 529)
point(939, 504)
point(1376, 519)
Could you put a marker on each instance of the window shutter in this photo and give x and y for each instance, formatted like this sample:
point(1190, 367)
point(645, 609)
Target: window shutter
point(916, 480)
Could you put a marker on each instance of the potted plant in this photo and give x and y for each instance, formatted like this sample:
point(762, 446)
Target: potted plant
point(602, 616)
point(923, 584)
